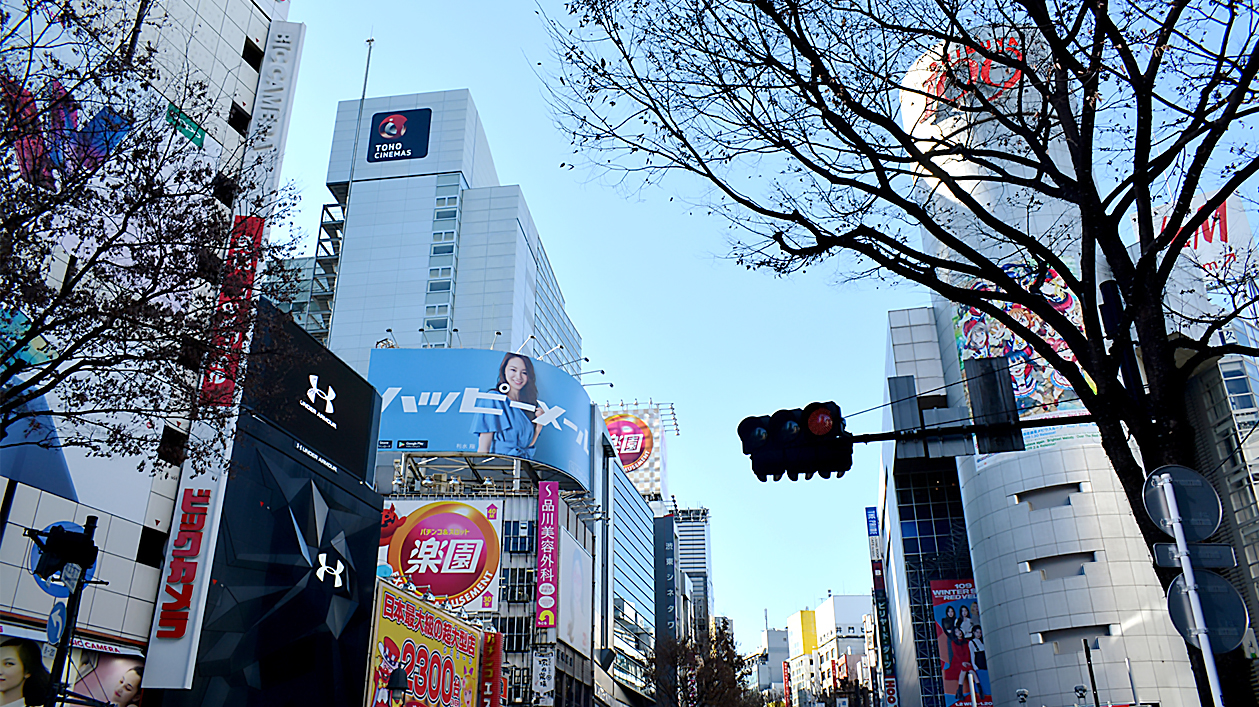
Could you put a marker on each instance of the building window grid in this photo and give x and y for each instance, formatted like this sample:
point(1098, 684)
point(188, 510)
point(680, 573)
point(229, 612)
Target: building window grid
point(518, 536)
point(517, 585)
point(517, 632)
point(930, 509)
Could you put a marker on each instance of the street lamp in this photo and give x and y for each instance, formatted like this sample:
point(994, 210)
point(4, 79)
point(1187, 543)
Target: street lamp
point(397, 685)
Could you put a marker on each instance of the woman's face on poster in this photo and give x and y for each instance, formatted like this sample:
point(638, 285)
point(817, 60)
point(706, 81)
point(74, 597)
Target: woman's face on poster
point(12, 672)
point(127, 687)
point(516, 375)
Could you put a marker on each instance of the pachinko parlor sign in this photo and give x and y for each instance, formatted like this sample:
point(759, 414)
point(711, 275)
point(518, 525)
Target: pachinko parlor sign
point(439, 653)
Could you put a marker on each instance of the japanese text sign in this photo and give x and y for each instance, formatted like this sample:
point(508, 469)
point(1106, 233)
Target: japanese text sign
point(548, 554)
point(439, 653)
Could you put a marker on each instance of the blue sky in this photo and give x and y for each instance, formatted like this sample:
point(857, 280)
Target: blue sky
point(648, 285)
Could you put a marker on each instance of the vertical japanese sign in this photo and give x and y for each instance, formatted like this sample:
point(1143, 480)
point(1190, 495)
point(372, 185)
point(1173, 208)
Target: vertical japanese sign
point(786, 684)
point(961, 642)
point(492, 670)
point(449, 548)
point(886, 657)
point(439, 653)
point(548, 554)
point(544, 674)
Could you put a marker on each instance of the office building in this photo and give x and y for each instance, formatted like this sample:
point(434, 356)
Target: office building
point(696, 558)
point(423, 247)
point(227, 47)
point(768, 662)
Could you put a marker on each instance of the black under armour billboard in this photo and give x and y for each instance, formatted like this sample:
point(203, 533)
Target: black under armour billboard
point(399, 135)
point(300, 386)
point(288, 611)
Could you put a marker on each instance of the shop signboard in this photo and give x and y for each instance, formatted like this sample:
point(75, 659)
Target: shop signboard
point(440, 654)
point(547, 612)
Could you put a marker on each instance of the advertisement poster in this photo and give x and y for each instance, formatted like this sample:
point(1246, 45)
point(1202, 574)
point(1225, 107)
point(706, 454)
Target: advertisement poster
point(483, 402)
point(102, 676)
point(632, 439)
point(575, 594)
point(447, 548)
point(399, 135)
point(961, 642)
point(547, 610)
point(440, 654)
point(544, 674)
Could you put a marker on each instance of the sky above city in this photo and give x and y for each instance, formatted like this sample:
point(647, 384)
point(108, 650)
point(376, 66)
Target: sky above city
point(648, 283)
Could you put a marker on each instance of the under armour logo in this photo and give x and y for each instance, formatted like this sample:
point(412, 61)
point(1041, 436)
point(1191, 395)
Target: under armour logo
point(325, 569)
point(315, 392)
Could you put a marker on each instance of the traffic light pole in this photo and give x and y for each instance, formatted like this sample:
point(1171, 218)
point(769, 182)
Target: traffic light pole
point(928, 432)
point(78, 572)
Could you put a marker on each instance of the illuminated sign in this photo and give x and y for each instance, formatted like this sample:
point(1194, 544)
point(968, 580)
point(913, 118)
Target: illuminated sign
point(447, 548)
point(440, 654)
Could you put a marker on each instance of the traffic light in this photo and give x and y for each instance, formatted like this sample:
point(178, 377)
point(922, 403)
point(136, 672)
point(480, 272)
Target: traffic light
point(800, 441)
point(60, 547)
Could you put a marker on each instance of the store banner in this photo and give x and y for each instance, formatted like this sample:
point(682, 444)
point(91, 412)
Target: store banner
point(786, 684)
point(544, 674)
point(440, 654)
point(548, 555)
point(492, 670)
point(961, 642)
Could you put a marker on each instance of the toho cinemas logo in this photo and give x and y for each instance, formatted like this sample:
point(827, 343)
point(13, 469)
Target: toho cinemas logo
point(399, 135)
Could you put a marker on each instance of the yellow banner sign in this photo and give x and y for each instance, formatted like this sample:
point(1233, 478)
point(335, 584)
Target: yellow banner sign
point(439, 653)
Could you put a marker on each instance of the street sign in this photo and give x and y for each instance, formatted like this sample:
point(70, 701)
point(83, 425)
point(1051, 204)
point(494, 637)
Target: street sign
point(70, 576)
point(1222, 609)
point(49, 650)
point(56, 622)
point(1200, 509)
point(1203, 555)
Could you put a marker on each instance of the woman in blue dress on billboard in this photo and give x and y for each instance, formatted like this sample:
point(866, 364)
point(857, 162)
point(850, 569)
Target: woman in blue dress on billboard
point(513, 433)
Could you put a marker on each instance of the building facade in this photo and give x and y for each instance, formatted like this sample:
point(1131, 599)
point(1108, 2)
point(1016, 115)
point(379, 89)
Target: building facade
point(696, 558)
point(423, 247)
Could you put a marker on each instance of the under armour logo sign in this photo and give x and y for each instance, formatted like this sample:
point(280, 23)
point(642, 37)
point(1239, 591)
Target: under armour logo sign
point(325, 569)
point(315, 392)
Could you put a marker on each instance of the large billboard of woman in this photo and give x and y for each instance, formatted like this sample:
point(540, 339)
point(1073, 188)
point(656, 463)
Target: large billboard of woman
point(483, 402)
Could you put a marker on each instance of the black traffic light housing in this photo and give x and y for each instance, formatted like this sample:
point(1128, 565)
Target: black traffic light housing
point(798, 441)
point(60, 547)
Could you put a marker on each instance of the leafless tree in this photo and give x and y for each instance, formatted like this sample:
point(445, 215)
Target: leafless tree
point(709, 673)
point(129, 251)
point(1048, 166)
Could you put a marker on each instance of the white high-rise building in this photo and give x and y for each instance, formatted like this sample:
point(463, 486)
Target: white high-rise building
point(423, 246)
point(696, 558)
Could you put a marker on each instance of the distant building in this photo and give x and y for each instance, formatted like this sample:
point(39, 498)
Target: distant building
point(695, 556)
point(769, 660)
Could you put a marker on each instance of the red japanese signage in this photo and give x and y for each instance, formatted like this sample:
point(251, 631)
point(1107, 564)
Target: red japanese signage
point(232, 315)
point(173, 620)
point(548, 554)
point(631, 437)
point(786, 684)
point(492, 670)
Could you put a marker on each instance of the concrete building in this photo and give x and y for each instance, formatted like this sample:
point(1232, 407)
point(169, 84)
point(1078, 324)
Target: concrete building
point(768, 661)
point(428, 244)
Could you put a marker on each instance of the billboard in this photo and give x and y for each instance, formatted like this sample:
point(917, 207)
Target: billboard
point(576, 594)
point(399, 135)
point(298, 385)
point(477, 401)
point(440, 654)
point(110, 678)
point(449, 548)
point(547, 612)
point(961, 642)
point(632, 438)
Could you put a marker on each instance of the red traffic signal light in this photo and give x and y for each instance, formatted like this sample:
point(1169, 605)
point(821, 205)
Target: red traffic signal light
point(798, 441)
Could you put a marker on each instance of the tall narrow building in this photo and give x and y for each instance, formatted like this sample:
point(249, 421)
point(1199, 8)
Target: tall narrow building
point(696, 558)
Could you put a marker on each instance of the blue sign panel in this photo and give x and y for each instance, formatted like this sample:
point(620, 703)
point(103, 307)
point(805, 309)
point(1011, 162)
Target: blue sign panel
point(487, 402)
point(872, 521)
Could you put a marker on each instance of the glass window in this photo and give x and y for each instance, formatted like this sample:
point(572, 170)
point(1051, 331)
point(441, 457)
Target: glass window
point(442, 214)
point(443, 249)
point(436, 324)
point(1241, 402)
point(439, 286)
point(1236, 386)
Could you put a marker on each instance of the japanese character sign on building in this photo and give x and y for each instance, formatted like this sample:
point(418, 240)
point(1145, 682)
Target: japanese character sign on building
point(548, 554)
point(632, 439)
point(447, 548)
